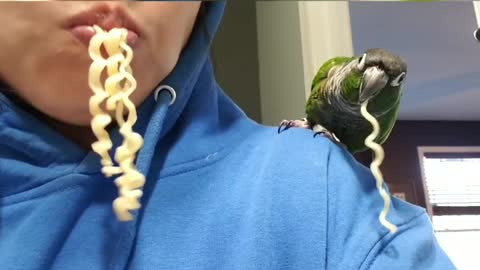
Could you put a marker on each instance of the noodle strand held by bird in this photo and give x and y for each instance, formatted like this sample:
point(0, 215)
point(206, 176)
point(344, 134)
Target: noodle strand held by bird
point(379, 155)
point(115, 92)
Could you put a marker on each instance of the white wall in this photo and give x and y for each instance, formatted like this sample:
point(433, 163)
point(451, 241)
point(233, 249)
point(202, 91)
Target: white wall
point(280, 61)
point(294, 39)
point(235, 56)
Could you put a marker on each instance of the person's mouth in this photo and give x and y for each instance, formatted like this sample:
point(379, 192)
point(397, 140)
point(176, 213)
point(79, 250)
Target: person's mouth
point(107, 18)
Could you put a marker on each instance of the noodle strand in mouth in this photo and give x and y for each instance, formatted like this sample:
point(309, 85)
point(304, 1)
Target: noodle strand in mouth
point(114, 94)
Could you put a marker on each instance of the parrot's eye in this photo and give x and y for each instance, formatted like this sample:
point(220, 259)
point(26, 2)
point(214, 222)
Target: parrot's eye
point(361, 61)
point(398, 80)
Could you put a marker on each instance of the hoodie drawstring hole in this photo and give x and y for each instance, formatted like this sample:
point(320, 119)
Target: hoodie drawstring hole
point(169, 89)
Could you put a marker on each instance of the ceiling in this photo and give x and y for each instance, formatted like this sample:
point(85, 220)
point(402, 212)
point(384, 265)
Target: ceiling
point(436, 40)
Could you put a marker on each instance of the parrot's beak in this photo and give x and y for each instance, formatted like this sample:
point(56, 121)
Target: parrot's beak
point(374, 79)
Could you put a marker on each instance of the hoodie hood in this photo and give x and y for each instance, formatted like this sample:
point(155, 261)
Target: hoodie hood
point(32, 154)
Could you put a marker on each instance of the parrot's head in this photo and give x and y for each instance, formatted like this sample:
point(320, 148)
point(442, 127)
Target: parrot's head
point(381, 73)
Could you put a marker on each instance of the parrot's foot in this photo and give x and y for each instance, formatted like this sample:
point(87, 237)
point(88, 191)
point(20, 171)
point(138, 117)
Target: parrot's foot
point(320, 130)
point(286, 124)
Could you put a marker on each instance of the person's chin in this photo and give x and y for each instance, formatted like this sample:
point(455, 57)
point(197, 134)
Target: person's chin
point(80, 120)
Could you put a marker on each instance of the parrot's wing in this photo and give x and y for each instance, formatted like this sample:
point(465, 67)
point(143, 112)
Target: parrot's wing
point(387, 123)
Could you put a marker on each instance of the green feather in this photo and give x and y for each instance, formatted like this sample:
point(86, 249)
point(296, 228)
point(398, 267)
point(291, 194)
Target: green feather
point(322, 73)
point(351, 87)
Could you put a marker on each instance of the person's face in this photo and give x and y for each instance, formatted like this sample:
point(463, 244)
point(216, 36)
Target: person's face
point(46, 64)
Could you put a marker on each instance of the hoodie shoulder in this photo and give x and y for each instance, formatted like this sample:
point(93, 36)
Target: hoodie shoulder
point(288, 174)
point(327, 200)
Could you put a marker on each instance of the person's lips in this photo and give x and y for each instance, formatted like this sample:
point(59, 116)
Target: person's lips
point(107, 18)
point(85, 32)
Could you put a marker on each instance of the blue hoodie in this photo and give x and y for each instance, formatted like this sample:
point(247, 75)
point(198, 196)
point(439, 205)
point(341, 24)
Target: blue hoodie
point(222, 192)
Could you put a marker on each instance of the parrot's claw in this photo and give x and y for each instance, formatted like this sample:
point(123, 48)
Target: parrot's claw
point(331, 136)
point(286, 124)
point(320, 130)
point(327, 134)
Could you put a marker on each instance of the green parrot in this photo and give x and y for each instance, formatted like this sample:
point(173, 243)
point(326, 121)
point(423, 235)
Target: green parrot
point(340, 87)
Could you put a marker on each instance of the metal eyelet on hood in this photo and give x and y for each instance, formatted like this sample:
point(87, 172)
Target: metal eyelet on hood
point(169, 89)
